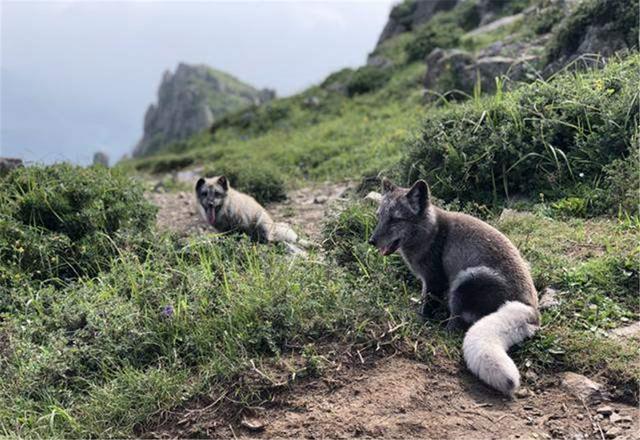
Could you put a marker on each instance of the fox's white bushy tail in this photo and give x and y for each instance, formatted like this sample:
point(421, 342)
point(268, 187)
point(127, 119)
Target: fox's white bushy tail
point(487, 341)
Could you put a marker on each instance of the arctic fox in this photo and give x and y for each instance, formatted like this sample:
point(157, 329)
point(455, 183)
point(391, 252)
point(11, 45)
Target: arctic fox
point(483, 276)
point(227, 210)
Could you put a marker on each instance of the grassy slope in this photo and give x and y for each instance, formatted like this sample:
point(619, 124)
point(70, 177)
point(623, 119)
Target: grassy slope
point(167, 320)
point(340, 138)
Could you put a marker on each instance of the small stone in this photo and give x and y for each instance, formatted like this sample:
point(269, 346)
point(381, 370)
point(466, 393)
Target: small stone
point(531, 375)
point(615, 418)
point(523, 392)
point(252, 424)
point(319, 200)
point(605, 410)
point(548, 299)
point(629, 332)
point(626, 419)
point(613, 432)
point(374, 197)
point(581, 387)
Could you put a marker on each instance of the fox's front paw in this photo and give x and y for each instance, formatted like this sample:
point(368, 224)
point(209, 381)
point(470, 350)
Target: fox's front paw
point(424, 311)
point(454, 325)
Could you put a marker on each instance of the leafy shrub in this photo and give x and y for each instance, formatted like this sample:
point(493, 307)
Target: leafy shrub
point(544, 137)
point(443, 31)
point(64, 221)
point(164, 163)
point(367, 79)
point(256, 119)
point(346, 239)
point(432, 36)
point(341, 76)
point(264, 183)
point(622, 182)
point(403, 12)
point(545, 17)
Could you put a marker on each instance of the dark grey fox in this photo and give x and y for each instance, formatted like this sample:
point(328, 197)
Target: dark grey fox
point(481, 273)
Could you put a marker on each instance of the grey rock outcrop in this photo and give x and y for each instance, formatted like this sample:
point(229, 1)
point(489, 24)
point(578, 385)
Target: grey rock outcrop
point(9, 163)
point(593, 31)
point(190, 100)
point(409, 14)
point(454, 69)
point(101, 158)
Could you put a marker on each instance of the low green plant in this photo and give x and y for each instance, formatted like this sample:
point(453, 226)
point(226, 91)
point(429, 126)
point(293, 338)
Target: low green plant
point(431, 36)
point(62, 222)
point(367, 79)
point(556, 138)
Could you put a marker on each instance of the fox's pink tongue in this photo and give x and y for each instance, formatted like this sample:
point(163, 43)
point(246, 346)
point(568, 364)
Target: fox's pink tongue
point(384, 250)
point(211, 215)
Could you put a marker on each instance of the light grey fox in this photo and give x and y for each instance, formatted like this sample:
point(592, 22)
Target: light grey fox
point(485, 280)
point(227, 210)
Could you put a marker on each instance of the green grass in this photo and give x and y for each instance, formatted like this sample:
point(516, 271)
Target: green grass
point(342, 138)
point(556, 138)
point(106, 323)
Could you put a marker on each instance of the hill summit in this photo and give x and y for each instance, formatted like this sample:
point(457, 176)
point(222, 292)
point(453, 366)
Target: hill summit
point(190, 100)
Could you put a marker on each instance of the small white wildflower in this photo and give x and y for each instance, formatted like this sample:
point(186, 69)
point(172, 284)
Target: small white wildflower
point(581, 175)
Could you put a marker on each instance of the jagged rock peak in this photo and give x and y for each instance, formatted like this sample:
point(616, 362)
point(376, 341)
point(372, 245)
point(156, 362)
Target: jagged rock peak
point(190, 100)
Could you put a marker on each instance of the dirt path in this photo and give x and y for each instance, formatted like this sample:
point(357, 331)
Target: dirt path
point(391, 397)
point(304, 209)
point(401, 398)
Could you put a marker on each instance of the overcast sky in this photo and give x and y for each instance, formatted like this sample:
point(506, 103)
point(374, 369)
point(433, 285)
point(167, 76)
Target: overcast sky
point(77, 76)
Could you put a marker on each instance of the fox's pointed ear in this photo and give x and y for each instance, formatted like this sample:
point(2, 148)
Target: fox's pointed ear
point(418, 196)
point(223, 182)
point(387, 185)
point(199, 183)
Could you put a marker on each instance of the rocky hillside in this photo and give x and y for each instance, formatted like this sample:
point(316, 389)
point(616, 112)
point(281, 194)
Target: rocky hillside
point(190, 100)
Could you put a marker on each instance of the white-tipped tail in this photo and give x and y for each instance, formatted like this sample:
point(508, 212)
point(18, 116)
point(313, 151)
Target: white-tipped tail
point(487, 341)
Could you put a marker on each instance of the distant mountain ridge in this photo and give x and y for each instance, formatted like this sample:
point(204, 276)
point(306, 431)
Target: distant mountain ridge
point(190, 100)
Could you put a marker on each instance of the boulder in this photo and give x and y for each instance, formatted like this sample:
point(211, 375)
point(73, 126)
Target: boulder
point(101, 158)
point(455, 69)
point(9, 163)
point(592, 32)
point(410, 14)
point(311, 102)
point(448, 69)
point(379, 61)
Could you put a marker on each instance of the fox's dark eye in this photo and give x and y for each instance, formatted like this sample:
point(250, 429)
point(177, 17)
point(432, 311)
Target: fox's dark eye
point(217, 194)
point(204, 193)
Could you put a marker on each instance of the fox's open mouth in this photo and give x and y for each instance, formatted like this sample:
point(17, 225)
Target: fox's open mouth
point(211, 215)
point(390, 248)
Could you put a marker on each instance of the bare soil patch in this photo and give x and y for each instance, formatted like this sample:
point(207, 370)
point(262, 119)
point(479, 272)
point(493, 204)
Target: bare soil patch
point(304, 209)
point(396, 397)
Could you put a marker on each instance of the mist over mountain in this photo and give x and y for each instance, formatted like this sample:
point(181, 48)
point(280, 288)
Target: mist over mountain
point(77, 77)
